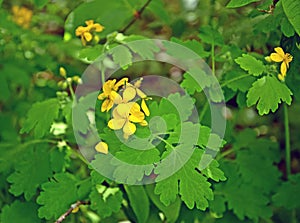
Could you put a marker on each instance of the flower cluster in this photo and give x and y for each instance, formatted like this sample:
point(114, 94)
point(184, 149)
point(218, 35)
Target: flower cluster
point(87, 32)
point(127, 113)
point(22, 15)
point(281, 57)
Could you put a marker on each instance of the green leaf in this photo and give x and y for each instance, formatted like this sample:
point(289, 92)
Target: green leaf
point(91, 53)
point(122, 56)
point(250, 64)
point(139, 202)
point(57, 196)
point(40, 3)
point(286, 27)
point(189, 84)
point(30, 172)
point(212, 36)
point(244, 199)
point(239, 81)
point(20, 212)
point(288, 194)
point(157, 7)
point(239, 3)
point(172, 211)
point(105, 201)
point(135, 163)
point(5, 92)
point(145, 48)
point(291, 9)
point(193, 45)
point(191, 185)
point(268, 92)
point(183, 104)
point(40, 117)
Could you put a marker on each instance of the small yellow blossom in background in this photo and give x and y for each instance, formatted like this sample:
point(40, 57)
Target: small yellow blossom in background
point(124, 117)
point(284, 58)
point(22, 16)
point(102, 147)
point(110, 94)
point(86, 32)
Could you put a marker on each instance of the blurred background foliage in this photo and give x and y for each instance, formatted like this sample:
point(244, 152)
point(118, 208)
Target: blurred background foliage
point(37, 37)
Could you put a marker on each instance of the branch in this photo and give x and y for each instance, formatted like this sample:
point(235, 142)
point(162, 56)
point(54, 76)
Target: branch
point(69, 211)
point(137, 15)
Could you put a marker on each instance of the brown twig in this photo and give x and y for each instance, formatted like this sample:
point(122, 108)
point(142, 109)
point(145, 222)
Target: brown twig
point(137, 15)
point(69, 211)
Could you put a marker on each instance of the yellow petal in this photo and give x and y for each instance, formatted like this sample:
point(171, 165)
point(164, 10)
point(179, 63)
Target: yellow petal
point(116, 115)
point(116, 124)
point(89, 22)
point(279, 51)
point(143, 123)
point(129, 94)
point(88, 36)
point(120, 83)
point(102, 147)
point(137, 117)
point(98, 27)
point(123, 109)
point(145, 108)
point(140, 93)
point(129, 128)
point(79, 31)
point(283, 68)
point(276, 57)
point(107, 105)
point(107, 86)
point(134, 108)
point(101, 96)
point(115, 97)
point(138, 83)
point(281, 77)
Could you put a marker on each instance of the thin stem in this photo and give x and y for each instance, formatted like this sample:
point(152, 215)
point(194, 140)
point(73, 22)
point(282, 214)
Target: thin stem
point(69, 211)
point(287, 141)
point(213, 63)
point(205, 107)
point(165, 141)
point(235, 79)
point(136, 17)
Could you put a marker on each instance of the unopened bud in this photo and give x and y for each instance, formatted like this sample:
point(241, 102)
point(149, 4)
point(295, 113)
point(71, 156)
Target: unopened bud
point(268, 59)
point(62, 72)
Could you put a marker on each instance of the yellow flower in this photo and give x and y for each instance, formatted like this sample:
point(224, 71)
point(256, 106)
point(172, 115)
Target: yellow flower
point(285, 58)
point(110, 94)
point(131, 91)
point(22, 16)
point(102, 147)
point(86, 32)
point(124, 117)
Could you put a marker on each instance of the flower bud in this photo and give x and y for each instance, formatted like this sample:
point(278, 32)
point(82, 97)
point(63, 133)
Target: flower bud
point(62, 72)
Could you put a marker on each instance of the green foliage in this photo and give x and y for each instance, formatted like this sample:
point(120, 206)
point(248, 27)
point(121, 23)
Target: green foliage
point(40, 117)
point(51, 200)
point(287, 195)
point(214, 49)
point(33, 169)
point(139, 202)
point(291, 9)
point(20, 212)
point(239, 3)
point(250, 64)
point(268, 92)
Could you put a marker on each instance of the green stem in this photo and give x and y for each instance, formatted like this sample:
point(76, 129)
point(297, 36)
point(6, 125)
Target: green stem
point(213, 63)
point(165, 141)
point(287, 141)
point(235, 79)
point(226, 153)
point(205, 107)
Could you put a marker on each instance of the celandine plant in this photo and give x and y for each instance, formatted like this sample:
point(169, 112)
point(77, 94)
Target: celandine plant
point(149, 111)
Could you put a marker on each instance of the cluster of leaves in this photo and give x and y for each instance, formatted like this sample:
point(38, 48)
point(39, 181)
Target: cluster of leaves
point(43, 172)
